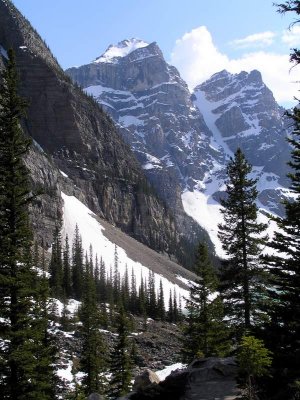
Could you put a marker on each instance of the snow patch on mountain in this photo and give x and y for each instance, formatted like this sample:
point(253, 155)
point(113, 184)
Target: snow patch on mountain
point(91, 232)
point(207, 109)
point(122, 49)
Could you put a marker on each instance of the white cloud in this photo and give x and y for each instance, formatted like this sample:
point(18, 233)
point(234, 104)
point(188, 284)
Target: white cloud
point(256, 40)
point(197, 58)
point(292, 36)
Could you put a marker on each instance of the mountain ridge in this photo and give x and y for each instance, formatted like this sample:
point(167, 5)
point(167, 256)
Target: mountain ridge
point(80, 139)
point(185, 139)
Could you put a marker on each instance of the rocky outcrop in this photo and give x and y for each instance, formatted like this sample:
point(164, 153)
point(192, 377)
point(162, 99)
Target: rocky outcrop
point(145, 379)
point(82, 141)
point(205, 379)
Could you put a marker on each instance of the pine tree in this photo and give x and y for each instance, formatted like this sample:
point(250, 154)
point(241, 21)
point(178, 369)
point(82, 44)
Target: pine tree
point(102, 289)
point(56, 264)
point(242, 239)
point(20, 374)
point(284, 310)
point(151, 296)
point(170, 309)
point(93, 355)
point(133, 294)
point(175, 307)
point(125, 293)
point(161, 310)
point(116, 278)
point(67, 278)
point(77, 265)
point(205, 333)
point(121, 363)
point(142, 301)
point(44, 345)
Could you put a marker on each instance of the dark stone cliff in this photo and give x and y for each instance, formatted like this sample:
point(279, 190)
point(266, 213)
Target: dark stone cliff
point(77, 137)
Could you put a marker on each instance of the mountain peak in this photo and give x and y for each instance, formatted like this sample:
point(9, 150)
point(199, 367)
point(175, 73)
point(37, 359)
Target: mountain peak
point(122, 49)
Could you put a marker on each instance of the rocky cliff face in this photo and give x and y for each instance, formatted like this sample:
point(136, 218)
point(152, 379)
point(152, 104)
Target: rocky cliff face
point(153, 108)
point(247, 115)
point(184, 140)
point(77, 137)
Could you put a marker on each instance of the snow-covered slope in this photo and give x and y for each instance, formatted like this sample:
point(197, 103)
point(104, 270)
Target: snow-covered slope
point(105, 239)
point(122, 49)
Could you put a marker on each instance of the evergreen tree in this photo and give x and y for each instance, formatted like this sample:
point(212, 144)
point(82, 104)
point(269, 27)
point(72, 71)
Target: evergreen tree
point(93, 358)
point(161, 311)
point(56, 264)
point(21, 372)
point(77, 265)
point(254, 361)
point(116, 278)
point(133, 294)
point(44, 345)
point(125, 293)
point(121, 363)
point(175, 307)
point(242, 238)
point(170, 309)
point(142, 301)
point(205, 333)
point(67, 278)
point(284, 310)
point(151, 296)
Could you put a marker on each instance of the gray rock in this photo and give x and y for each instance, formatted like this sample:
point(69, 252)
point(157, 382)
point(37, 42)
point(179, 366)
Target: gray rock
point(145, 379)
point(95, 396)
point(81, 140)
point(212, 378)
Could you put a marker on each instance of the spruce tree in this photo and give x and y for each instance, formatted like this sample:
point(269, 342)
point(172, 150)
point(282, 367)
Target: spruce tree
point(121, 362)
point(67, 277)
point(93, 360)
point(242, 238)
point(133, 302)
point(151, 296)
point(170, 312)
point(77, 265)
point(56, 264)
point(21, 375)
point(284, 309)
point(161, 310)
point(205, 333)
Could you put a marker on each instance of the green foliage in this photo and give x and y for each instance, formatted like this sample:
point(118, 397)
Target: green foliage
point(283, 327)
point(253, 357)
point(25, 359)
point(254, 361)
point(77, 266)
point(121, 362)
point(93, 355)
point(205, 333)
point(243, 240)
point(56, 265)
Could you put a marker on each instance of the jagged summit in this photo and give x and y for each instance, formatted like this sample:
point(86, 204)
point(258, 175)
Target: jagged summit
point(122, 49)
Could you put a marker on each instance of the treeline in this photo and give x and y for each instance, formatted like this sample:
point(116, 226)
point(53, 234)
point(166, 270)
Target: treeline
point(69, 266)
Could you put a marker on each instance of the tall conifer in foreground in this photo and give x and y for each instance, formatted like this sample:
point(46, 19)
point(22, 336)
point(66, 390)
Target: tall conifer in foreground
point(242, 238)
point(22, 374)
point(284, 327)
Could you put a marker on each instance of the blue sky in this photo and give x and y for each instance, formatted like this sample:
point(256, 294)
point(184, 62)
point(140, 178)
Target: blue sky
point(199, 37)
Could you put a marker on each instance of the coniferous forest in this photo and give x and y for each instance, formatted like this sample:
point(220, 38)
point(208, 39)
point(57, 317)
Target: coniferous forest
point(244, 307)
